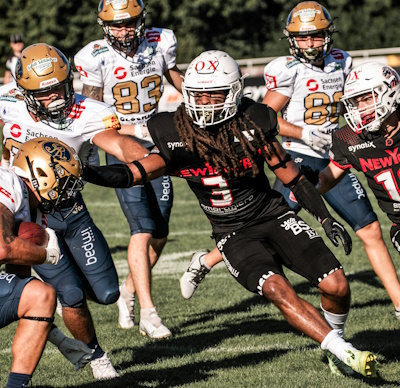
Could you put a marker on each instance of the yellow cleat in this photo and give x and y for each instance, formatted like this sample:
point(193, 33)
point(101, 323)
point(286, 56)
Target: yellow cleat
point(362, 362)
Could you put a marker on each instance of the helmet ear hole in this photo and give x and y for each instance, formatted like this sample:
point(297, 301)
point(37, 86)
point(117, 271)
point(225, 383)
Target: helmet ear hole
point(40, 173)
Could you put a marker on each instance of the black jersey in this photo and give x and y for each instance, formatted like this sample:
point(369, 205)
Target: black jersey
point(378, 158)
point(228, 202)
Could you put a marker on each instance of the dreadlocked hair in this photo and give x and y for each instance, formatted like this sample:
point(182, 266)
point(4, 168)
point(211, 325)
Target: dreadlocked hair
point(213, 145)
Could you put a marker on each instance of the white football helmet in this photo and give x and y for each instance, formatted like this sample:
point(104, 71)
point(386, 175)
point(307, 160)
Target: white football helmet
point(212, 71)
point(384, 84)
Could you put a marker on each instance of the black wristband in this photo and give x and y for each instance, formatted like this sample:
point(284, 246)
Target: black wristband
point(142, 171)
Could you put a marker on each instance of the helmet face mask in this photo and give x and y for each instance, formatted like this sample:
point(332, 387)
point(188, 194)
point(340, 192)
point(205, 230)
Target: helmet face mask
point(210, 73)
point(376, 84)
point(131, 14)
point(54, 171)
point(40, 70)
point(309, 18)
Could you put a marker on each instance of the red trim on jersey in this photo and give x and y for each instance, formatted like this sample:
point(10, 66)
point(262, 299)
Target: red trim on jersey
point(346, 167)
point(6, 193)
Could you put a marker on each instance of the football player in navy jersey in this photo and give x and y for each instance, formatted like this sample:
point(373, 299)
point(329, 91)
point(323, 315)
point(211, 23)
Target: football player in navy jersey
point(219, 141)
point(370, 143)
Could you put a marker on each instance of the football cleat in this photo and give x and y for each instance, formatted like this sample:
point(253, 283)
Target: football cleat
point(362, 362)
point(338, 367)
point(103, 369)
point(194, 275)
point(126, 311)
point(153, 327)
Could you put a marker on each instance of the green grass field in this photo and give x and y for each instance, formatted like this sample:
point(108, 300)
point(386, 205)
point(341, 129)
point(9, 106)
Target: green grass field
point(224, 336)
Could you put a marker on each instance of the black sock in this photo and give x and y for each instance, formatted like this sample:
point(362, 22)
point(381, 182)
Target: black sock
point(18, 380)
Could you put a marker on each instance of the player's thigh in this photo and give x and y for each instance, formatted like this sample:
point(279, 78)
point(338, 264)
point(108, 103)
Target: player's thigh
point(11, 287)
point(349, 199)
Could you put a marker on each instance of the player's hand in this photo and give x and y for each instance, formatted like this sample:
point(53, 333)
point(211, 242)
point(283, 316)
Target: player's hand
point(76, 352)
point(311, 175)
point(316, 139)
point(334, 230)
point(53, 252)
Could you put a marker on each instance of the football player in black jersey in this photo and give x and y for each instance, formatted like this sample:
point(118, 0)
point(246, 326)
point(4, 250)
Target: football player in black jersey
point(370, 143)
point(219, 141)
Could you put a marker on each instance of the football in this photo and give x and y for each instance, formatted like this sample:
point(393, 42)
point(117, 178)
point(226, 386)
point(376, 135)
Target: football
point(33, 232)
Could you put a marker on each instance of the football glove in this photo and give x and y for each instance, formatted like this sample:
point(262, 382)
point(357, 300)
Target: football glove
point(316, 139)
point(53, 252)
point(311, 175)
point(333, 230)
point(76, 352)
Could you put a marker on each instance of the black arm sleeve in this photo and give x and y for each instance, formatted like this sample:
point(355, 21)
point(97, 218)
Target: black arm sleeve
point(310, 200)
point(118, 176)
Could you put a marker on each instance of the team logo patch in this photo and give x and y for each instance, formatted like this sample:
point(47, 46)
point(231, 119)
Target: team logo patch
point(57, 151)
point(312, 85)
point(207, 67)
point(307, 14)
point(97, 49)
point(111, 122)
point(41, 64)
point(290, 62)
point(152, 36)
point(116, 2)
point(299, 226)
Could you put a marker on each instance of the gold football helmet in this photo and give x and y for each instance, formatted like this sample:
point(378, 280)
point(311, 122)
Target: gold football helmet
point(42, 68)
point(305, 19)
point(128, 12)
point(54, 171)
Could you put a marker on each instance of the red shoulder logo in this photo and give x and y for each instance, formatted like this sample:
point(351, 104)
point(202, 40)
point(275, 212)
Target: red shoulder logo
point(337, 54)
point(270, 81)
point(153, 36)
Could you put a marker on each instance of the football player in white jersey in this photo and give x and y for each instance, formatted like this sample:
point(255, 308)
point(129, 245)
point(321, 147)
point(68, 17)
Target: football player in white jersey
point(45, 105)
point(25, 197)
point(126, 69)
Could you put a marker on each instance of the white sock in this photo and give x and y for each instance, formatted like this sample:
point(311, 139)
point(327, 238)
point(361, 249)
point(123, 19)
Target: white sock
point(397, 312)
point(335, 321)
point(125, 293)
point(334, 343)
point(203, 262)
point(146, 313)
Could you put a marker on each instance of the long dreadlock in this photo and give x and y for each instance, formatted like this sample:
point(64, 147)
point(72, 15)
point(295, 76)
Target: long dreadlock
point(213, 145)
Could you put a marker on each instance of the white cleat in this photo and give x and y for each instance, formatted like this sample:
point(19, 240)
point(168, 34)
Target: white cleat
point(153, 327)
point(194, 275)
point(103, 369)
point(126, 311)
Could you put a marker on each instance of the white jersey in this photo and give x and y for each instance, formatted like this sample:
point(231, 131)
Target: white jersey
point(10, 65)
point(134, 85)
point(87, 118)
point(14, 195)
point(314, 94)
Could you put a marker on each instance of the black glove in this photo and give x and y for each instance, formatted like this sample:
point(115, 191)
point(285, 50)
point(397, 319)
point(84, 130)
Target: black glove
point(334, 229)
point(310, 174)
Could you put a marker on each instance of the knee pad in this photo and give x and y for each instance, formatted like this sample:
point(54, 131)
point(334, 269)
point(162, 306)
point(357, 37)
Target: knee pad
point(71, 297)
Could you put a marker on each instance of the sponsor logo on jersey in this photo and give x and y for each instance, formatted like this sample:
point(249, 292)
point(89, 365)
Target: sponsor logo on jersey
point(332, 83)
point(31, 134)
point(270, 81)
point(15, 131)
point(81, 71)
point(120, 73)
point(49, 82)
point(175, 144)
point(7, 277)
point(41, 64)
point(97, 49)
point(312, 85)
point(362, 146)
point(337, 54)
point(6, 194)
point(152, 36)
point(373, 164)
point(111, 122)
point(88, 246)
point(262, 280)
point(77, 110)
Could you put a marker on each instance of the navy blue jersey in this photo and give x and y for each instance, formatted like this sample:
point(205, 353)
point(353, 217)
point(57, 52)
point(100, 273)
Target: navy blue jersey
point(228, 202)
point(378, 158)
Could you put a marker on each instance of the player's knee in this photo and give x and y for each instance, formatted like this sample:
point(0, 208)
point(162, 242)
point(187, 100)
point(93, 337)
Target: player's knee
point(336, 286)
point(275, 289)
point(108, 296)
point(71, 297)
point(41, 296)
point(370, 233)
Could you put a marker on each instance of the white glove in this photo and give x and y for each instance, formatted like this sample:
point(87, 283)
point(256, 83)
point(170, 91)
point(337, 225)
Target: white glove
point(53, 252)
point(76, 352)
point(316, 139)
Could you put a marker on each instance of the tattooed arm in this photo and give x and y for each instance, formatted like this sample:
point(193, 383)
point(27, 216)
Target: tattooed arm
point(13, 249)
point(93, 92)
